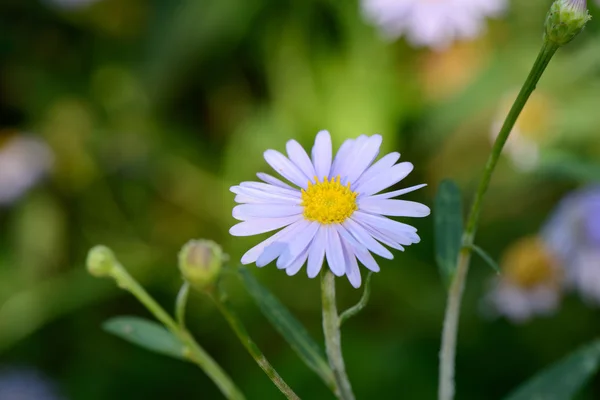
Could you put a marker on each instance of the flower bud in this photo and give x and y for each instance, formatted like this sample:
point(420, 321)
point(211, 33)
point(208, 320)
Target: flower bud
point(101, 261)
point(200, 262)
point(565, 20)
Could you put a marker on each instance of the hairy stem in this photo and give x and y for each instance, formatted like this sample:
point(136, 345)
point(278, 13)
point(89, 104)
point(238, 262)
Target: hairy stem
point(333, 342)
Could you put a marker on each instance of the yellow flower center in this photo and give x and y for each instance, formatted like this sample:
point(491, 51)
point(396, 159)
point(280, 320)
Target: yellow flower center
point(328, 202)
point(528, 264)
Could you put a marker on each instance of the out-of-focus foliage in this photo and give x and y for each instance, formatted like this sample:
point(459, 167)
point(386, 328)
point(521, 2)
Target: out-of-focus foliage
point(153, 108)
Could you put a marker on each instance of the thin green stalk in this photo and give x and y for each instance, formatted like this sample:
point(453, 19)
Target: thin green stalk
point(181, 303)
point(333, 341)
point(450, 329)
point(236, 324)
point(195, 352)
point(362, 303)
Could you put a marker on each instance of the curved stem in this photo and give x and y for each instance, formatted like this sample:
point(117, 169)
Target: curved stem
point(195, 352)
point(236, 324)
point(181, 303)
point(362, 303)
point(333, 341)
point(450, 329)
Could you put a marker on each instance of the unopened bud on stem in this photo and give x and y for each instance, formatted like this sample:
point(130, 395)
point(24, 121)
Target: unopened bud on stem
point(200, 263)
point(565, 20)
point(101, 261)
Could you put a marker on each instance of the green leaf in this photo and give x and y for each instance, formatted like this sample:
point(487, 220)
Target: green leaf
point(448, 224)
point(289, 327)
point(487, 258)
point(147, 334)
point(562, 380)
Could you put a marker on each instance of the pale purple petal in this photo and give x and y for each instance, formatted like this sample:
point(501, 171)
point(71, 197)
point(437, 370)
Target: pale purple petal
point(252, 255)
point(334, 252)
point(384, 180)
point(394, 229)
point(298, 263)
point(299, 157)
point(259, 196)
point(301, 241)
point(245, 212)
point(352, 271)
point(364, 157)
point(317, 253)
point(385, 163)
point(265, 187)
point(285, 168)
point(361, 252)
point(341, 156)
point(364, 238)
point(349, 157)
point(261, 225)
point(321, 154)
point(386, 239)
point(394, 208)
point(397, 193)
point(273, 181)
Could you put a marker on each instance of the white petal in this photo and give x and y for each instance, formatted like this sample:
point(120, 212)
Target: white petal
point(352, 271)
point(394, 229)
point(385, 179)
point(341, 156)
point(334, 252)
point(245, 212)
point(394, 208)
point(363, 237)
point(299, 157)
point(317, 253)
point(321, 154)
point(286, 168)
point(360, 251)
point(298, 263)
point(349, 157)
point(397, 193)
point(252, 255)
point(364, 156)
point(260, 196)
point(265, 187)
point(261, 225)
point(273, 181)
point(271, 252)
point(385, 163)
point(296, 246)
point(386, 239)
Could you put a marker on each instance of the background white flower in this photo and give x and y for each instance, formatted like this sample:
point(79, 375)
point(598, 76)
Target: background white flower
point(23, 161)
point(573, 234)
point(432, 23)
point(529, 285)
point(334, 213)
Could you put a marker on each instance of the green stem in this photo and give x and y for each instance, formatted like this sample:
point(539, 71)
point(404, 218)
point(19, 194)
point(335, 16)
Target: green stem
point(195, 352)
point(352, 311)
point(181, 303)
point(236, 324)
point(450, 329)
point(333, 341)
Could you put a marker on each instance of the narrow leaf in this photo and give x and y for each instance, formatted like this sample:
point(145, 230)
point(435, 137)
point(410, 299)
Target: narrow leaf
point(147, 334)
point(448, 223)
point(289, 327)
point(562, 380)
point(487, 258)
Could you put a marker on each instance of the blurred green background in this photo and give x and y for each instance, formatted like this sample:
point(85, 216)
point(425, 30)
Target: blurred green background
point(153, 108)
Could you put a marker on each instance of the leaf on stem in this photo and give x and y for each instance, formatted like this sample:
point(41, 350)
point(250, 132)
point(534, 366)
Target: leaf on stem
point(487, 258)
point(562, 380)
point(289, 327)
point(147, 334)
point(352, 311)
point(448, 224)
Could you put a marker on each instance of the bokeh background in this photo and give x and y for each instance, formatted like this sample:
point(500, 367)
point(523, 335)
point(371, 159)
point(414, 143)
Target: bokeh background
point(148, 110)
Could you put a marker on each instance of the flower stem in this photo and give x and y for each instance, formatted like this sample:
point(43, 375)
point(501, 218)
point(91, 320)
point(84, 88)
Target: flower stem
point(195, 352)
point(181, 304)
point(450, 330)
point(333, 343)
point(236, 324)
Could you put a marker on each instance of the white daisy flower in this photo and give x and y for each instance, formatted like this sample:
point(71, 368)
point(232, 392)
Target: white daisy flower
point(435, 24)
point(529, 285)
point(23, 161)
point(573, 234)
point(333, 213)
